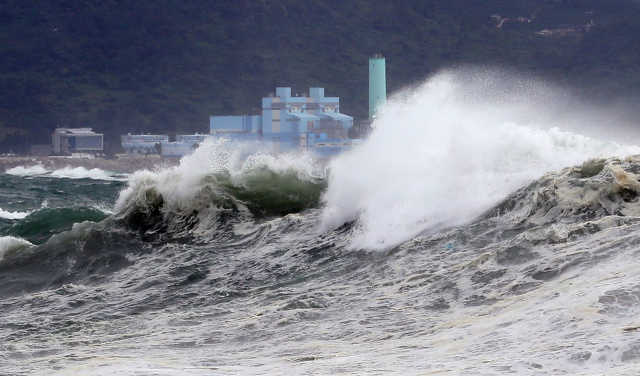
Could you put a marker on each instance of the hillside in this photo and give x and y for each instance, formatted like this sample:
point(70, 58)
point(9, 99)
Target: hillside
point(167, 65)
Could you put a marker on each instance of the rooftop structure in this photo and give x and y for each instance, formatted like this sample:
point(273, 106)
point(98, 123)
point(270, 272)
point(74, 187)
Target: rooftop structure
point(192, 138)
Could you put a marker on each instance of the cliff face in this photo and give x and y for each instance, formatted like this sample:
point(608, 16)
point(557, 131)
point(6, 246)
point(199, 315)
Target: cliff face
point(165, 66)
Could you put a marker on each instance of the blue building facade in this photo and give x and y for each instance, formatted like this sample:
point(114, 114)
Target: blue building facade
point(197, 138)
point(176, 149)
point(237, 128)
point(292, 123)
point(143, 143)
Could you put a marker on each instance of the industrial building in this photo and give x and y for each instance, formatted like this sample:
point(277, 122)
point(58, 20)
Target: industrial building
point(69, 141)
point(292, 123)
point(237, 128)
point(177, 149)
point(184, 144)
point(159, 144)
point(311, 123)
point(143, 143)
point(288, 123)
point(197, 138)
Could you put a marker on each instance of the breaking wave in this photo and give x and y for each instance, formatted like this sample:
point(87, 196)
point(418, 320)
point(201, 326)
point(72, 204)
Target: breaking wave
point(521, 259)
point(218, 181)
point(597, 189)
point(10, 245)
point(443, 154)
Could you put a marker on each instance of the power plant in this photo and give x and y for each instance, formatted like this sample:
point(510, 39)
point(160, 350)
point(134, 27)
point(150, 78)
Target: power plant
point(292, 123)
point(312, 123)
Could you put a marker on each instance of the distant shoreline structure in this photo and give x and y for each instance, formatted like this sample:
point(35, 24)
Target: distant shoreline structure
point(124, 165)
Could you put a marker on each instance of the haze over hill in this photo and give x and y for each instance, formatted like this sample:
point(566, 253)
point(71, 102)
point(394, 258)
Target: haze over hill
point(166, 65)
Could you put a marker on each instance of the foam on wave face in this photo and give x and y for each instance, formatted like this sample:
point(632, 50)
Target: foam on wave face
point(12, 215)
point(443, 154)
point(10, 244)
point(218, 172)
point(65, 173)
point(82, 173)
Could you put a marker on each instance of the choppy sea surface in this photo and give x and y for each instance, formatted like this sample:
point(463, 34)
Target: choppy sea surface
point(465, 237)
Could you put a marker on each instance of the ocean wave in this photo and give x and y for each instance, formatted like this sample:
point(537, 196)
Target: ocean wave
point(578, 197)
point(10, 244)
point(39, 225)
point(219, 180)
point(443, 154)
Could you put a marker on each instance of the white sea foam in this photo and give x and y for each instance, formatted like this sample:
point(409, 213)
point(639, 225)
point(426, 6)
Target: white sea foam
point(13, 215)
point(12, 244)
point(82, 173)
point(66, 172)
point(444, 153)
point(27, 171)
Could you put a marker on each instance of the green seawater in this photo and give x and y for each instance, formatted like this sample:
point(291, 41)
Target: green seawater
point(36, 207)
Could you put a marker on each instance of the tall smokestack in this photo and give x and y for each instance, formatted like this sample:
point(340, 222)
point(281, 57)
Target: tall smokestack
point(377, 85)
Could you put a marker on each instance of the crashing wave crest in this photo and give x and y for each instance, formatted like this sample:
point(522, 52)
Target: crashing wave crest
point(217, 183)
point(599, 189)
point(443, 154)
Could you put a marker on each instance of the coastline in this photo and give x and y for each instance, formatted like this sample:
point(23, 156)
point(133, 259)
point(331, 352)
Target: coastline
point(123, 165)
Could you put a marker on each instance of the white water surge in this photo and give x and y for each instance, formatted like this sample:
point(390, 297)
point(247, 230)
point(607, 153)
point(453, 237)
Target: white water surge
point(83, 173)
point(27, 171)
point(5, 214)
point(65, 172)
point(544, 283)
point(442, 154)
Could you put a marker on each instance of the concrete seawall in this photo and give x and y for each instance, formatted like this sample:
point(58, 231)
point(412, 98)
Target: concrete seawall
point(125, 165)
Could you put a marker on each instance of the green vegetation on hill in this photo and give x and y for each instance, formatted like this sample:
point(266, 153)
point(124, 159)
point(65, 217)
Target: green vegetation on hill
point(167, 65)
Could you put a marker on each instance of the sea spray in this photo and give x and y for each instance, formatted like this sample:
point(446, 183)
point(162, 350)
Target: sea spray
point(444, 153)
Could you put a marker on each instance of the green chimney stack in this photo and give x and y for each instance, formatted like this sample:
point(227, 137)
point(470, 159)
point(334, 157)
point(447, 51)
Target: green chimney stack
point(377, 85)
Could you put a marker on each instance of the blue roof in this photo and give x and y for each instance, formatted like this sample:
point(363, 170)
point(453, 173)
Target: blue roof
point(303, 116)
point(337, 116)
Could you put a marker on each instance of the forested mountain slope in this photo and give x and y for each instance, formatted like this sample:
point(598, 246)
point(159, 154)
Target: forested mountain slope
point(166, 65)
